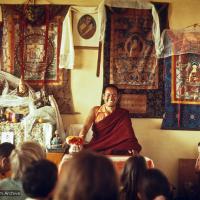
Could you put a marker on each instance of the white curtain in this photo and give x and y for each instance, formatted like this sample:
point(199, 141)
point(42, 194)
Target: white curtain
point(67, 46)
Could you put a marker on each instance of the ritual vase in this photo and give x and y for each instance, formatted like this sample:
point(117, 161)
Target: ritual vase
point(74, 148)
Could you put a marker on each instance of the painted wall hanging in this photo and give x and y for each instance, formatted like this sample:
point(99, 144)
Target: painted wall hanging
point(130, 58)
point(182, 82)
point(31, 40)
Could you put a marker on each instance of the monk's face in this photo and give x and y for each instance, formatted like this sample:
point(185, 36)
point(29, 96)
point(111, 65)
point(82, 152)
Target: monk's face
point(110, 97)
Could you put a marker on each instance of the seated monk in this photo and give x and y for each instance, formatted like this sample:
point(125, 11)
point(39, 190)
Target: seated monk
point(112, 128)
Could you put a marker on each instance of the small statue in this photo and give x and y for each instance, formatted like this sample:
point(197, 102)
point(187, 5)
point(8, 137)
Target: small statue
point(22, 89)
point(2, 114)
point(56, 141)
point(44, 97)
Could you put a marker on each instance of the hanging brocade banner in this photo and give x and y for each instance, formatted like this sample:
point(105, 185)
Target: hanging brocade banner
point(182, 79)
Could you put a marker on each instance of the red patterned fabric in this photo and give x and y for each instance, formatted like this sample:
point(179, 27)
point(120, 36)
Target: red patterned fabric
point(114, 134)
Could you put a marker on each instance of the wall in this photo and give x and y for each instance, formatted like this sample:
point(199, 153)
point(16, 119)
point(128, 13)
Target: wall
point(165, 147)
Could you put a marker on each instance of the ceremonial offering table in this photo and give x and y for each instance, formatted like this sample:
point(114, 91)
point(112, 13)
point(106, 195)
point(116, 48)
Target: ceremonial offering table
point(118, 161)
point(55, 157)
point(41, 132)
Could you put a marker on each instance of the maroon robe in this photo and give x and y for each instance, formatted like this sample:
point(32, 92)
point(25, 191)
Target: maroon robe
point(114, 134)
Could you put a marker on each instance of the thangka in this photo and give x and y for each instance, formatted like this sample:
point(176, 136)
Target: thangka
point(182, 80)
point(133, 62)
point(130, 57)
point(29, 43)
point(31, 47)
point(185, 79)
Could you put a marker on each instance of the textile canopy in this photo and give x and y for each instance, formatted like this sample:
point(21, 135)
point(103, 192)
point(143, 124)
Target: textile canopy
point(177, 42)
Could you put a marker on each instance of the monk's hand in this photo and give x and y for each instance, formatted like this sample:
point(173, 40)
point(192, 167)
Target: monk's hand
point(83, 137)
point(133, 152)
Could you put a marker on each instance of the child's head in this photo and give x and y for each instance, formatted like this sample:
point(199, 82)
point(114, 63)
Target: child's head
point(154, 185)
point(39, 179)
point(5, 151)
point(133, 170)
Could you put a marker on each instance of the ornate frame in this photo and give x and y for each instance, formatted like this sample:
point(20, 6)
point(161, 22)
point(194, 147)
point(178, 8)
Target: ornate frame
point(85, 29)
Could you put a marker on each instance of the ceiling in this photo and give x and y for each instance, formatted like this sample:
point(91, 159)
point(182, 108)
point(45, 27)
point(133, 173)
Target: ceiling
point(68, 2)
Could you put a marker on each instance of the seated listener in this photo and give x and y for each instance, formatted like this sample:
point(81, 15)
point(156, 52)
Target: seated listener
point(39, 180)
point(111, 125)
point(87, 176)
point(5, 151)
point(133, 170)
point(20, 158)
point(154, 185)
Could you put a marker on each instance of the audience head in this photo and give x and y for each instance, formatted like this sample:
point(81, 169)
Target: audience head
point(154, 185)
point(110, 95)
point(39, 179)
point(5, 151)
point(87, 176)
point(23, 156)
point(133, 169)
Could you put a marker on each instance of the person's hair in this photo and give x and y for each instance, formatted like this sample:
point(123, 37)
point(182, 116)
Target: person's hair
point(6, 149)
point(39, 179)
point(22, 157)
point(153, 184)
point(111, 86)
point(88, 176)
point(133, 169)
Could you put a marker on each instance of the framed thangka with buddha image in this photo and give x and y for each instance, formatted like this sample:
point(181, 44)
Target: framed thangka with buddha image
point(130, 60)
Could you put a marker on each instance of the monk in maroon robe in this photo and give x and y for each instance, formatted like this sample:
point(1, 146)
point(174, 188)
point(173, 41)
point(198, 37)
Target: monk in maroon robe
point(112, 127)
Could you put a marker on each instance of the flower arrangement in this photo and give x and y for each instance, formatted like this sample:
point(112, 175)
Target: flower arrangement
point(75, 143)
point(76, 140)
